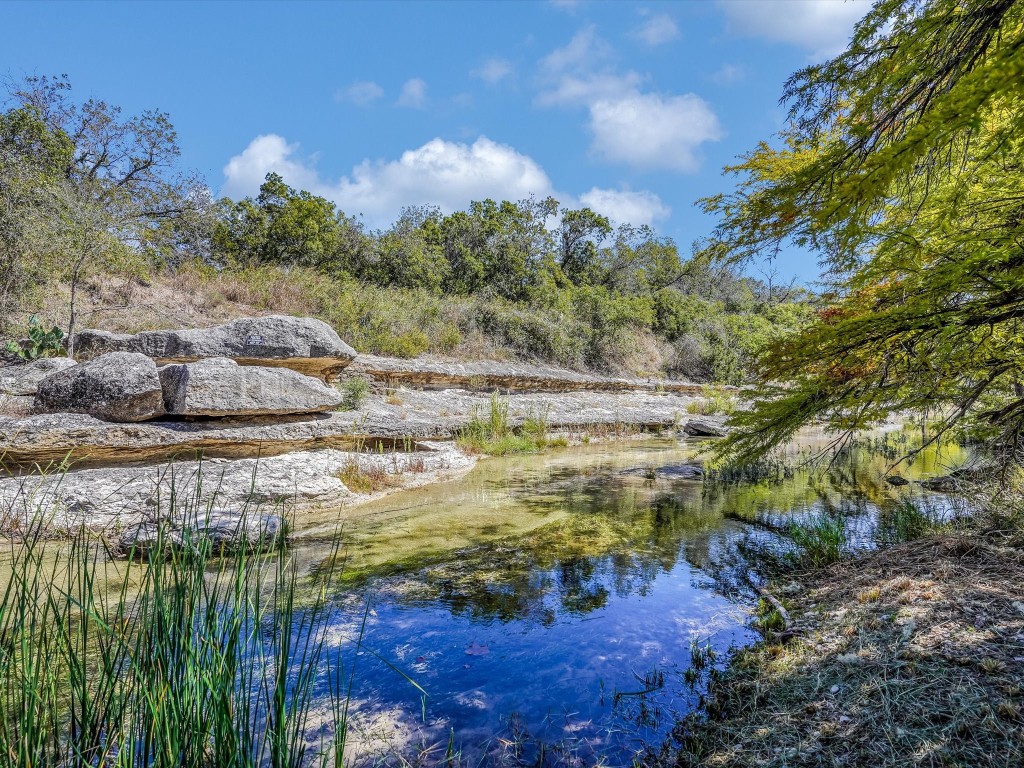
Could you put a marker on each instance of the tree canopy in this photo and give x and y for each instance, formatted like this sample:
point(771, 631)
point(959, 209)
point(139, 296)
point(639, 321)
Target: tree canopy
point(900, 167)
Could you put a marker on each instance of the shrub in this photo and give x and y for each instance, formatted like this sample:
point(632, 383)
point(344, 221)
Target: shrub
point(353, 392)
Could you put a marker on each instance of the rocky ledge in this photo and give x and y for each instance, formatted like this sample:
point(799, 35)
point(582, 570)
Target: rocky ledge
point(386, 420)
point(220, 433)
point(433, 373)
point(116, 499)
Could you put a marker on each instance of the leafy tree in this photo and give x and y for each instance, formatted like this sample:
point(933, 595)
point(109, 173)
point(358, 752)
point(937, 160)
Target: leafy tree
point(900, 167)
point(580, 235)
point(85, 190)
point(290, 227)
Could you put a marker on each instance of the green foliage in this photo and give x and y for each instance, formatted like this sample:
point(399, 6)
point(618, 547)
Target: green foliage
point(353, 391)
point(41, 342)
point(713, 400)
point(491, 434)
point(900, 166)
point(286, 226)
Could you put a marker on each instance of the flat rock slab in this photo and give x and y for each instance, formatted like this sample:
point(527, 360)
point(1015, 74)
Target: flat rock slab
point(119, 386)
point(219, 386)
point(116, 498)
point(491, 375)
point(409, 414)
point(303, 344)
point(23, 380)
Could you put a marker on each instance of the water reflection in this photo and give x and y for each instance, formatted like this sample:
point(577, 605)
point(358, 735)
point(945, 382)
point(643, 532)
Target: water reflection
point(525, 596)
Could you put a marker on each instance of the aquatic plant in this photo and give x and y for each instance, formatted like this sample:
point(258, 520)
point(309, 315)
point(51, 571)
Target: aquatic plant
point(491, 432)
point(821, 540)
point(175, 658)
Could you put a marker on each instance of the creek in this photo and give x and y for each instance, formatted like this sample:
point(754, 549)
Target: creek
point(551, 609)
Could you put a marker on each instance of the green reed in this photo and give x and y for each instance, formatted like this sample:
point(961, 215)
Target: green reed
point(184, 656)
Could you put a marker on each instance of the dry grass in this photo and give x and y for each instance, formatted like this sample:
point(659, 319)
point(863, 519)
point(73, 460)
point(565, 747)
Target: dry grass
point(912, 656)
point(368, 478)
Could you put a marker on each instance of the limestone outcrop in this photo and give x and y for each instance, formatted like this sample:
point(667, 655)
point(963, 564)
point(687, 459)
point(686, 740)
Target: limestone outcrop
point(303, 344)
point(119, 386)
point(388, 422)
point(23, 380)
point(224, 530)
point(429, 373)
point(117, 498)
point(219, 386)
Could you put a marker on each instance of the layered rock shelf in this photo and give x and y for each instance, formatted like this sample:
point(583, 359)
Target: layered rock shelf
point(504, 377)
point(381, 421)
point(240, 425)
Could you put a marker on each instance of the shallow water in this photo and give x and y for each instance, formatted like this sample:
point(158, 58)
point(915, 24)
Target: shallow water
point(548, 605)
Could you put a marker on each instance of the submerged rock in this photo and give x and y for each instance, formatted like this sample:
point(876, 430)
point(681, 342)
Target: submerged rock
point(120, 386)
point(223, 530)
point(304, 344)
point(220, 387)
point(23, 380)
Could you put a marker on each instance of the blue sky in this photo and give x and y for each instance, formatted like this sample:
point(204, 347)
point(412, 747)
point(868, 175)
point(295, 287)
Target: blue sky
point(630, 108)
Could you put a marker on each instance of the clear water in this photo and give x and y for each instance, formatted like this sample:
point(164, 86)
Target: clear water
point(543, 609)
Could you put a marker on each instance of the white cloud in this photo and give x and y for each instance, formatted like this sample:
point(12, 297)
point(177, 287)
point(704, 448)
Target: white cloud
point(822, 27)
point(584, 51)
point(652, 131)
point(625, 206)
point(586, 88)
point(657, 30)
point(269, 152)
point(493, 71)
point(442, 173)
point(414, 94)
point(644, 130)
point(362, 93)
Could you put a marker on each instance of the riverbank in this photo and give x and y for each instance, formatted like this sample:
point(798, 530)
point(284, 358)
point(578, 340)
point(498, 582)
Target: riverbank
point(912, 655)
point(405, 426)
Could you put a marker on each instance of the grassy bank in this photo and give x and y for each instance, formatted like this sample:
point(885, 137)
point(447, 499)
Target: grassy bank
point(910, 655)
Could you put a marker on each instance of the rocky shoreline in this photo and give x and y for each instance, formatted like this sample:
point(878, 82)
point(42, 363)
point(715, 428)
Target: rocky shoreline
point(227, 424)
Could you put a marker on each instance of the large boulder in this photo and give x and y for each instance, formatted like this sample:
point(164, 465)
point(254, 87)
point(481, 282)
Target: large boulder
point(220, 387)
point(23, 380)
point(119, 386)
point(303, 344)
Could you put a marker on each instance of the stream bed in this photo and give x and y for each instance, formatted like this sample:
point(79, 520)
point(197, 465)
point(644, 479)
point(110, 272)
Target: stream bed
point(546, 609)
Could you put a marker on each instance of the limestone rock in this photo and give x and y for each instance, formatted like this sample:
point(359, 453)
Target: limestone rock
point(706, 427)
point(23, 380)
point(120, 386)
point(225, 532)
point(303, 344)
point(220, 387)
point(508, 377)
point(409, 414)
point(118, 498)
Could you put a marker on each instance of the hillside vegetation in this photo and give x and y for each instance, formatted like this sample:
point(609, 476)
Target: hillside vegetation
point(99, 227)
